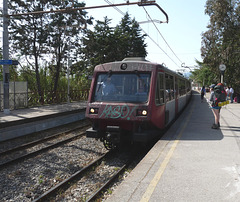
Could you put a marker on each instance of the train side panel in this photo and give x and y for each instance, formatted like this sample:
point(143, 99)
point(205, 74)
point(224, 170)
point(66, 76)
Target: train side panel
point(182, 102)
point(170, 111)
point(158, 116)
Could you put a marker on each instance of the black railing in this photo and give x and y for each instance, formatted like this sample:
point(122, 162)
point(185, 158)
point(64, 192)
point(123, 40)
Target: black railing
point(31, 99)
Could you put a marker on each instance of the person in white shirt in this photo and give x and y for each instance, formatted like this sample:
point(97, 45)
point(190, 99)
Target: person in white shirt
point(227, 91)
point(231, 91)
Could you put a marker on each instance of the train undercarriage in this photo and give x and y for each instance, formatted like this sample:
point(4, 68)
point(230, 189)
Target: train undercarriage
point(113, 136)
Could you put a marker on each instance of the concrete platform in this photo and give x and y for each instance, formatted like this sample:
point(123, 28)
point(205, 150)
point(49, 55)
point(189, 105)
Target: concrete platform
point(192, 162)
point(24, 121)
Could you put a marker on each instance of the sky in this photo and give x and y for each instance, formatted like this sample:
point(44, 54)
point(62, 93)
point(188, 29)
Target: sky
point(175, 43)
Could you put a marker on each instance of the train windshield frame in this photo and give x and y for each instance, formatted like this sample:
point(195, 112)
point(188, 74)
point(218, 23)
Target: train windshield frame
point(132, 87)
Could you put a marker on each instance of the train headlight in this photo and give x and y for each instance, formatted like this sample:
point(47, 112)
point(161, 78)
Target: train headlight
point(142, 112)
point(93, 111)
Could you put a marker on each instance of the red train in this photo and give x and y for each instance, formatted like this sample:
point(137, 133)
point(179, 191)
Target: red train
point(132, 100)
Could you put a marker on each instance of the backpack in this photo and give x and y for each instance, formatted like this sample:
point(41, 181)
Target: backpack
point(220, 94)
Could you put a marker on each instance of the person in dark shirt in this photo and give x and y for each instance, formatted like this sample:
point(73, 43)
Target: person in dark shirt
point(203, 93)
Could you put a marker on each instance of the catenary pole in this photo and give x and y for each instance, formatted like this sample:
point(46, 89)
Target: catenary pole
point(5, 57)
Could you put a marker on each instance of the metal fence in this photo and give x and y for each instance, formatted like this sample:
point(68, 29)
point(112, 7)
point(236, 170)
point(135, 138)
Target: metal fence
point(20, 97)
point(57, 98)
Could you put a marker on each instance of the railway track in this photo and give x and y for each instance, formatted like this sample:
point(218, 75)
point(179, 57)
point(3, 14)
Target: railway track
point(45, 167)
point(53, 168)
point(44, 141)
point(22, 140)
point(86, 173)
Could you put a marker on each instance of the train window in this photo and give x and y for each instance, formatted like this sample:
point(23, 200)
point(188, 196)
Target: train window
point(159, 97)
point(169, 87)
point(182, 88)
point(188, 85)
point(122, 87)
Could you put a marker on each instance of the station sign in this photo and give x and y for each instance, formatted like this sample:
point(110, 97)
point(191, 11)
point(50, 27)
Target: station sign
point(9, 62)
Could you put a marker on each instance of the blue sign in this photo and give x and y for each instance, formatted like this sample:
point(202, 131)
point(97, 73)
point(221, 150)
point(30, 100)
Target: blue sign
point(8, 62)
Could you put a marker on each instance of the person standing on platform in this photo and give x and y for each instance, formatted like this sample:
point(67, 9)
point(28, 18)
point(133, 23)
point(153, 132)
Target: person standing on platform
point(203, 93)
point(227, 91)
point(218, 95)
point(231, 91)
point(215, 108)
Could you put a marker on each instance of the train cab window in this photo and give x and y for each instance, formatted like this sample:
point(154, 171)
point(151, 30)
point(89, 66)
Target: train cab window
point(122, 87)
point(159, 96)
point(169, 80)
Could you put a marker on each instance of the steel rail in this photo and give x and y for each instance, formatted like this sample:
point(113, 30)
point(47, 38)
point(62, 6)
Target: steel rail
point(31, 154)
point(67, 181)
point(33, 143)
point(106, 184)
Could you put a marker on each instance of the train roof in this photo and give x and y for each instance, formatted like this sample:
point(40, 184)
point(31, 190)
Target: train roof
point(133, 64)
point(135, 59)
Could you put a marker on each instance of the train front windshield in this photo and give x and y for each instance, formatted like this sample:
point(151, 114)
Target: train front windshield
point(119, 87)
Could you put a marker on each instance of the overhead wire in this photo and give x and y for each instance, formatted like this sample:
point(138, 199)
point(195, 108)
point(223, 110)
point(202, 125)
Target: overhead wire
point(160, 47)
point(121, 12)
point(162, 35)
point(116, 8)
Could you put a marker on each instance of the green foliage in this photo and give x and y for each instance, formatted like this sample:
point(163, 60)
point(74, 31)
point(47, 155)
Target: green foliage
point(204, 75)
point(40, 179)
point(221, 42)
point(97, 44)
point(44, 43)
point(45, 35)
point(107, 44)
point(129, 37)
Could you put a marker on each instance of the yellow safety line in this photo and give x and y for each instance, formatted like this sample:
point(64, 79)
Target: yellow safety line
point(151, 187)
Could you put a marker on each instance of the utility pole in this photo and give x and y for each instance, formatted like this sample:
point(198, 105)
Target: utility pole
point(5, 57)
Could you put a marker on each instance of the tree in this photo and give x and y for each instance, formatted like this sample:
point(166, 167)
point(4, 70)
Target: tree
point(27, 34)
point(107, 44)
point(45, 36)
point(64, 34)
point(97, 45)
point(221, 42)
point(204, 75)
point(128, 34)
